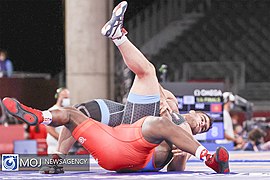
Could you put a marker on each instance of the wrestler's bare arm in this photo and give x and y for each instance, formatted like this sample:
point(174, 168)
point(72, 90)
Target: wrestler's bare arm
point(157, 129)
point(178, 163)
point(52, 132)
point(168, 100)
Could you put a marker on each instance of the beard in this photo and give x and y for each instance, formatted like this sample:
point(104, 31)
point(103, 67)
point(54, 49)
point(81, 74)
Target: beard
point(193, 124)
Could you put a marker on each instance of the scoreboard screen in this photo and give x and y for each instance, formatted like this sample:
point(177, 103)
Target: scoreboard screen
point(206, 97)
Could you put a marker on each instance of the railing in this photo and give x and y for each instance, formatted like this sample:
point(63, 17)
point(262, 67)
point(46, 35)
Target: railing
point(18, 74)
point(257, 91)
point(235, 72)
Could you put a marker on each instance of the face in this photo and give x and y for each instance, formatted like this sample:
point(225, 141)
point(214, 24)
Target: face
point(64, 99)
point(2, 56)
point(64, 94)
point(199, 122)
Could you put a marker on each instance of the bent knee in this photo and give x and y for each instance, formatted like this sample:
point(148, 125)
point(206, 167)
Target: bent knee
point(147, 71)
point(151, 69)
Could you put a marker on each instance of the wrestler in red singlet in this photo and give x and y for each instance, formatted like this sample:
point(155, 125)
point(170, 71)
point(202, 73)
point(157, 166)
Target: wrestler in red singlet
point(128, 150)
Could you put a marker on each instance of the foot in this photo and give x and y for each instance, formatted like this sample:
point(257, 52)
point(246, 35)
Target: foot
point(22, 112)
point(54, 168)
point(219, 161)
point(114, 27)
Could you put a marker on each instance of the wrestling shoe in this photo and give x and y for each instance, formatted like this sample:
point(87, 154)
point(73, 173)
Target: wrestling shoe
point(22, 112)
point(54, 167)
point(114, 27)
point(219, 161)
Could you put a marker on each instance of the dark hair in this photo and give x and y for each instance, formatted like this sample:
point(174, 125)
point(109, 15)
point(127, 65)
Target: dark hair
point(256, 134)
point(211, 120)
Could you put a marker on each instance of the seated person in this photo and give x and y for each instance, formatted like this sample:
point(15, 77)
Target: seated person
point(6, 67)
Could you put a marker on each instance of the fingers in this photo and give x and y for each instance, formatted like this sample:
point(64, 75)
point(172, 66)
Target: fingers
point(178, 152)
point(164, 106)
point(162, 110)
point(164, 113)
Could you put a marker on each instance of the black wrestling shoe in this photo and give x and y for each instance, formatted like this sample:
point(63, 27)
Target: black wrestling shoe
point(54, 168)
point(51, 169)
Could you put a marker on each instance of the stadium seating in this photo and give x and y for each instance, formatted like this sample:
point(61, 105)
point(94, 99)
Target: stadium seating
point(231, 31)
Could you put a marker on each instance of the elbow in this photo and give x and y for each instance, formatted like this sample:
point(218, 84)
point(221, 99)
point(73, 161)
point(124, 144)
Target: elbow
point(162, 125)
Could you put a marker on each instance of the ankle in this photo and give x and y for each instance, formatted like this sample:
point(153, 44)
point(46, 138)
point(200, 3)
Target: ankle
point(119, 41)
point(46, 118)
point(202, 153)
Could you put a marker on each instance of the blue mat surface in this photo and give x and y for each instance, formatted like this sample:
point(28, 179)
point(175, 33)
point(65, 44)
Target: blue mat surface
point(244, 165)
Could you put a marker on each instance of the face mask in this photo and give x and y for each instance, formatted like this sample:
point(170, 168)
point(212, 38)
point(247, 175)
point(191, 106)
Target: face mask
point(231, 106)
point(65, 102)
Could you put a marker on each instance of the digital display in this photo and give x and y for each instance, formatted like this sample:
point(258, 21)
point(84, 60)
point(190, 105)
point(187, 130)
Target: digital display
point(212, 105)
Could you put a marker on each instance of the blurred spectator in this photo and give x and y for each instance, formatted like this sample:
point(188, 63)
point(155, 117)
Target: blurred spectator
point(239, 134)
point(228, 99)
point(238, 130)
point(63, 100)
point(6, 67)
point(235, 119)
point(256, 141)
point(37, 132)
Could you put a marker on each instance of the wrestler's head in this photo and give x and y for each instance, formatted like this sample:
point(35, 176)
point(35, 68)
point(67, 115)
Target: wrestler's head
point(198, 121)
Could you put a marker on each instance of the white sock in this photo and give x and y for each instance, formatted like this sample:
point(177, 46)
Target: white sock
point(47, 116)
point(201, 153)
point(120, 41)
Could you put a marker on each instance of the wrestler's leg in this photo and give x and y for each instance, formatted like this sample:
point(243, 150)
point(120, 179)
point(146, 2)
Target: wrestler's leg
point(69, 117)
point(144, 96)
point(102, 110)
point(180, 157)
point(143, 99)
point(66, 140)
point(134, 59)
point(144, 70)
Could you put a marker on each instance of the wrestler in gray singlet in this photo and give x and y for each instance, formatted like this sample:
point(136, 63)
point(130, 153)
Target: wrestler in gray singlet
point(113, 113)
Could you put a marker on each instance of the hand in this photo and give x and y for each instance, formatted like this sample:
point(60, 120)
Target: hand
point(239, 140)
point(177, 152)
point(164, 106)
